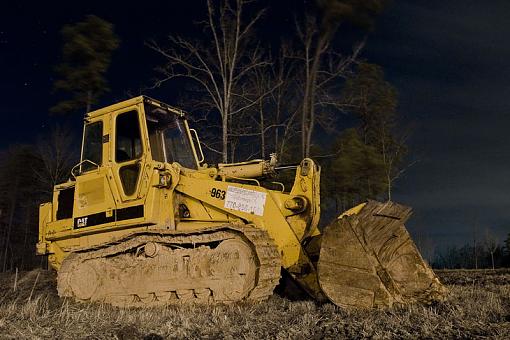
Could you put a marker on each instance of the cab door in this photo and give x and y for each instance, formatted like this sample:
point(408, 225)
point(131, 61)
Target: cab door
point(94, 203)
point(128, 165)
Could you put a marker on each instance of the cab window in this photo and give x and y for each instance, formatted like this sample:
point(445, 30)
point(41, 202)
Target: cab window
point(128, 145)
point(168, 137)
point(92, 146)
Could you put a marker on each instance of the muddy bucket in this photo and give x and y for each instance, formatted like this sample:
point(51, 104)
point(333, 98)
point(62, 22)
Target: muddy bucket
point(368, 259)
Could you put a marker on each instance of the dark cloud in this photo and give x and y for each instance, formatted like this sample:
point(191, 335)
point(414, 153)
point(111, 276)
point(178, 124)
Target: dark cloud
point(449, 61)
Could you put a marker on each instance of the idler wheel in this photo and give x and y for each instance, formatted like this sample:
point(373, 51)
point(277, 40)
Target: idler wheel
point(236, 262)
point(84, 281)
point(151, 249)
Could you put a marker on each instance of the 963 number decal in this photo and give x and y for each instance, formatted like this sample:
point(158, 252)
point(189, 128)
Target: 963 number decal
point(218, 193)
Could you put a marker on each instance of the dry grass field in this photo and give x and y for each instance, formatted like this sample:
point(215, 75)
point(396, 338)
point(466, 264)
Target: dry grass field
point(478, 306)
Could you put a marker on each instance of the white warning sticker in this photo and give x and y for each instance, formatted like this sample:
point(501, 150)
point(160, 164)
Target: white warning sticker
point(245, 200)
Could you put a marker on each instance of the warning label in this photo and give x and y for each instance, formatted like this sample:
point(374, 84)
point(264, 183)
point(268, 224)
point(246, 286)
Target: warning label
point(245, 200)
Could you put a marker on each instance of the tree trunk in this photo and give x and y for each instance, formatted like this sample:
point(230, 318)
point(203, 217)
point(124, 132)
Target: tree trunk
point(304, 118)
point(476, 256)
point(232, 152)
point(9, 225)
point(224, 127)
point(277, 128)
point(25, 238)
point(89, 101)
point(389, 187)
point(262, 137)
point(311, 92)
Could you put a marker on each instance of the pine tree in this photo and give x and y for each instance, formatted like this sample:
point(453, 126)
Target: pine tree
point(86, 56)
point(355, 174)
point(374, 101)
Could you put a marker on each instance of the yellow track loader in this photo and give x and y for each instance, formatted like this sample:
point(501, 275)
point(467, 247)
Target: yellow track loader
point(144, 221)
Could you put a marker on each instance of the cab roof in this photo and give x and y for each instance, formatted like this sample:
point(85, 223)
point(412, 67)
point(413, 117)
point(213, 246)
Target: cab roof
point(131, 102)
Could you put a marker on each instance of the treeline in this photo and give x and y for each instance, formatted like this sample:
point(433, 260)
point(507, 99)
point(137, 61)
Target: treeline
point(474, 256)
point(27, 176)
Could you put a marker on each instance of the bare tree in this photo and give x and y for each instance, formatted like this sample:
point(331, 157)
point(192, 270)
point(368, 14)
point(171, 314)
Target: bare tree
point(220, 62)
point(322, 68)
point(392, 152)
point(18, 199)
point(273, 116)
point(284, 99)
point(491, 243)
point(57, 157)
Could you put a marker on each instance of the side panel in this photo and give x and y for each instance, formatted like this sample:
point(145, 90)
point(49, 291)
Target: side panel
point(94, 204)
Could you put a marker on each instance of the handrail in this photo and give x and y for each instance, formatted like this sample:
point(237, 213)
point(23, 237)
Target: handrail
point(79, 165)
point(281, 184)
point(199, 146)
point(242, 179)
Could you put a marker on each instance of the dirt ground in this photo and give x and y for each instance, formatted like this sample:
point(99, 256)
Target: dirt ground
point(478, 306)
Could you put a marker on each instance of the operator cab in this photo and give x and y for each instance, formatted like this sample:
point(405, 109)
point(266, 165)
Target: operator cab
point(121, 145)
point(164, 127)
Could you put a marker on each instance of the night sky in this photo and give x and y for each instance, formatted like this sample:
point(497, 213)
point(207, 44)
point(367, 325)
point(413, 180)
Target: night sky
point(449, 61)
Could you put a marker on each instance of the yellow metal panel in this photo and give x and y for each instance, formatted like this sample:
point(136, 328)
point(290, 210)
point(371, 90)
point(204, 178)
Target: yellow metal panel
point(91, 192)
point(353, 211)
point(115, 107)
point(271, 220)
point(307, 185)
